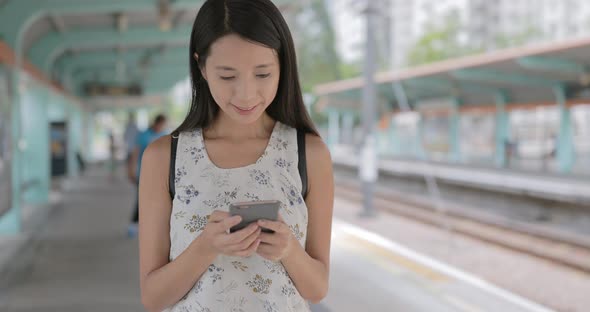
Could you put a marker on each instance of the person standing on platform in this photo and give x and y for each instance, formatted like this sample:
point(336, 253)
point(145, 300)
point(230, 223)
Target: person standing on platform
point(247, 137)
point(130, 136)
point(112, 155)
point(155, 131)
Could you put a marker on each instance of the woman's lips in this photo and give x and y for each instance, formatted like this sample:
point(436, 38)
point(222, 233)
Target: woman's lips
point(245, 111)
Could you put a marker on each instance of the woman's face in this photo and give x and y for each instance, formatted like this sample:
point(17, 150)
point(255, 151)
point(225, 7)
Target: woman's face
point(243, 77)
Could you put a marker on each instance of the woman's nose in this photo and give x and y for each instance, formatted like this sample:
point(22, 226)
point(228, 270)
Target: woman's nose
point(246, 92)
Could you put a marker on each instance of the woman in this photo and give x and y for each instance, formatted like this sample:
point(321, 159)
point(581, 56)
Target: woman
point(237, 143)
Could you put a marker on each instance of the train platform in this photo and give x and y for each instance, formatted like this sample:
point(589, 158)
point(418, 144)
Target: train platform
point(566, 188)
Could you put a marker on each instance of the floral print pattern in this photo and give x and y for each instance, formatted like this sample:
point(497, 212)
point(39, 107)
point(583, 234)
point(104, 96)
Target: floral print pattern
point(281, 144)
point(297, 232)
point(260, 177)
point(270, 306)
point(186, 194)
point(196, 223)
point(259, 284)
point(252, 197)
point(180, 173)
point(292, 195)
point(274, 267)
point(288, 290)
point(223, 199)
point(198, 287)
point(240, 266)
point(195, 153)
point(180, 215)
point(283, 164)
point(237, 283)
point(216, 273)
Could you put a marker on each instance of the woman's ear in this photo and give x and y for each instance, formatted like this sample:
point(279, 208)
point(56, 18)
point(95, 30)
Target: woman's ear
point(196, 56)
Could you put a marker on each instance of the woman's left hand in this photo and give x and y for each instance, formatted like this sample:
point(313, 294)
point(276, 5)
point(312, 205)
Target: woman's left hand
point(275, 246)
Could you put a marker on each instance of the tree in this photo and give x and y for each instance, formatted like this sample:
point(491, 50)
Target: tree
point(529, 34)
point(441, 42)
point(315, 43)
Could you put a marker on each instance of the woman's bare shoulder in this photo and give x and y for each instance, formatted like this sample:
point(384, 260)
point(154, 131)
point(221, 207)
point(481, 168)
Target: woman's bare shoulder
point(157, 152)
point(317, 151)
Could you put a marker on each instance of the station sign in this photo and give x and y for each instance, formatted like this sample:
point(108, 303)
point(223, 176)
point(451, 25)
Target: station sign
point(98, 89)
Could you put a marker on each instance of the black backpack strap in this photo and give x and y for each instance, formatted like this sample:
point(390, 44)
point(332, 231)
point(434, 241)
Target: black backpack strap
point(172, 174)
point(302, 165)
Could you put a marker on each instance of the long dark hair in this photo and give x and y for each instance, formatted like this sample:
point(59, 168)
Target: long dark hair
point(259, 21)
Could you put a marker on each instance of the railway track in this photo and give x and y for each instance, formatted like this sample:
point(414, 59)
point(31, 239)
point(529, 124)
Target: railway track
point(568, 251)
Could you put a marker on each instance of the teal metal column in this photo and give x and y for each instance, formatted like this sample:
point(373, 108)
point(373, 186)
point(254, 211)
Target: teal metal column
point(348, 127)
point(74, 129)
point(71, 144)
point(333, 128)
point(393, 139)
point(502, 129)
point(45, 148)
point(454, 135)
point(35, 132)
point(565, 146)
point(10, 223)
point(89, 148)
point(419, 149)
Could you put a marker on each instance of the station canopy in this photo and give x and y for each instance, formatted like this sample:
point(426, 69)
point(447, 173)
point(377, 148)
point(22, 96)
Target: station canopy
point(538, 73)
point(105, 51)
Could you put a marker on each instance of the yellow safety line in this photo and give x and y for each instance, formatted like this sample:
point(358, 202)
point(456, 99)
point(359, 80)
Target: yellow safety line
point(386, 254)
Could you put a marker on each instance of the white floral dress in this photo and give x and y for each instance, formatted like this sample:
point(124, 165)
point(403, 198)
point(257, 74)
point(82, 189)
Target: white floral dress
point(234, 283)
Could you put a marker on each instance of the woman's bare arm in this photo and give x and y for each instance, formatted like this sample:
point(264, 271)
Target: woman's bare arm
point(309, 267)
point(163, 283)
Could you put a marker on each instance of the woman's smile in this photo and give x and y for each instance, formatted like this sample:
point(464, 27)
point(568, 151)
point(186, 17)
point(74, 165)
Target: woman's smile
point(244, 111)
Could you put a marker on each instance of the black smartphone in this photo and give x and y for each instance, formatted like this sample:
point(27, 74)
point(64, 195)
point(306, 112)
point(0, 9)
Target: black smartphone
point(253, 211)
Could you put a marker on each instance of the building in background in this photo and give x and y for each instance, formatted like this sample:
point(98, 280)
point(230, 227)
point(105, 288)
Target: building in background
point(484, 25)
point(349, 23)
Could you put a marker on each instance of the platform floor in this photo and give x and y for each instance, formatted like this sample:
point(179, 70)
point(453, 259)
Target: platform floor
point(81, 260)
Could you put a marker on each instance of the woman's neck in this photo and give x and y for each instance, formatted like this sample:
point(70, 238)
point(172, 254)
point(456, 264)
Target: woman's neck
point(224, 127)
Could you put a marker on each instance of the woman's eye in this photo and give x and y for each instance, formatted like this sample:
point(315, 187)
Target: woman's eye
point(227, 78)
point(263, 76)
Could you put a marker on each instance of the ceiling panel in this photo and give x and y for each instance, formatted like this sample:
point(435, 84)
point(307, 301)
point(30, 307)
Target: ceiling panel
point(38, 29)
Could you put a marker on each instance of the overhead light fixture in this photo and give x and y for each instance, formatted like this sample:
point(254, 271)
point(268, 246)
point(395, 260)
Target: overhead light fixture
point(122, 22)
point(164, 15)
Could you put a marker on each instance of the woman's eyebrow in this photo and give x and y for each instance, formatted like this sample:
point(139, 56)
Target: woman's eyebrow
point(222, 67)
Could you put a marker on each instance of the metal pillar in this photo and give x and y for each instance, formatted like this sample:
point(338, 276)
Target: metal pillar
point(333, 128)
point(347, 128)
point(368, 162)
point(11, 222)
point(565, 147)
point(420, 151)
point(90, 128)
point(393, 139)
point(454, 129)
point(502, 130)
point(72, 116)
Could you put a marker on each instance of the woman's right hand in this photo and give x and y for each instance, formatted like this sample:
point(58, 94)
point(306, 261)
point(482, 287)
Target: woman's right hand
point(242, 243)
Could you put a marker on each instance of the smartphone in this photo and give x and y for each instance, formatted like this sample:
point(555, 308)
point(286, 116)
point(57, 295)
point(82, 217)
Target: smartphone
point(253, 211)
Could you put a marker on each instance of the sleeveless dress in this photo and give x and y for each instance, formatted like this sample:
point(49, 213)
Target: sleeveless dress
point(235, 283)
